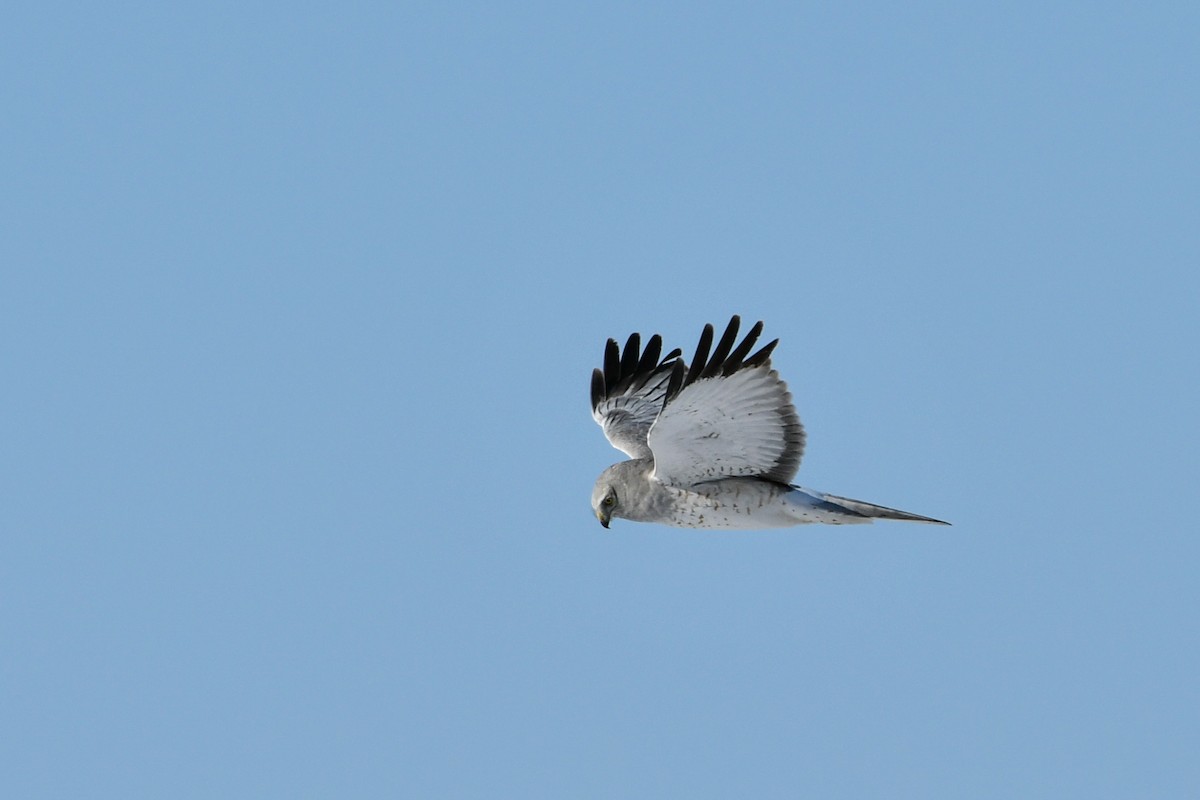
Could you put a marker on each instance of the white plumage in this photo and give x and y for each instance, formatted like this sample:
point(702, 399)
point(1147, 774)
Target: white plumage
point(712, 445)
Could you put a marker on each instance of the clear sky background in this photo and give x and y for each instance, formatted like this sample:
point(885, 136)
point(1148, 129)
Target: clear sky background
point(298, 309)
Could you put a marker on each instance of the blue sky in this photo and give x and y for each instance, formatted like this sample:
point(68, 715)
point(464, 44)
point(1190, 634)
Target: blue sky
point(297, 320)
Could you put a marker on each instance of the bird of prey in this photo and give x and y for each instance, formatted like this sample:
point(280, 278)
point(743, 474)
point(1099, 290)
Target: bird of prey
point(712, 445)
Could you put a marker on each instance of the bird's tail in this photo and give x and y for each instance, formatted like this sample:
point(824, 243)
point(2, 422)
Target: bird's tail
point(877, 512)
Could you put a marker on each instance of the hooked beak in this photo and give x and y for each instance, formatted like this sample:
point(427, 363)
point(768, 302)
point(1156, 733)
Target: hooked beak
point(604, 518)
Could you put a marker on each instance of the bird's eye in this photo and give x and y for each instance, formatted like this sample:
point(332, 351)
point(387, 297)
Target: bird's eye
point(611, 500)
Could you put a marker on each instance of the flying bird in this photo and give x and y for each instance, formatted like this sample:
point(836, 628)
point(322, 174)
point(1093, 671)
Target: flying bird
point(714, 444)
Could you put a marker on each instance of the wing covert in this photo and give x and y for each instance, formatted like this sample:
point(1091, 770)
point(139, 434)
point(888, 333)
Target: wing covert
point(628, 393)
point(729, 415)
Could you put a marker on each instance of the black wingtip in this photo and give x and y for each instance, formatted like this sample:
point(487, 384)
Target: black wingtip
point(763, 356)
point(630, 368)
point(645, 367)
point(701, 357)
point(723, 347)
point(633, 351)
point(679, 378)
point(650, 355)
point(597, 387)
point(734, 362)
point(726, 359)
point(612, 362)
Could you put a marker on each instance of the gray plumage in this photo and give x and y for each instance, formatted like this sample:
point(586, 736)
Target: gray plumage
point(711, 445)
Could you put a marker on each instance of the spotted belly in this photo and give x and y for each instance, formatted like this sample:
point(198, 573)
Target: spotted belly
point(730, 505)
point(750, 504)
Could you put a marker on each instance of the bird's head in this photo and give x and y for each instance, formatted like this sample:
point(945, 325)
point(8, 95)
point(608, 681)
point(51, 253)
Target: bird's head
point(604, 500)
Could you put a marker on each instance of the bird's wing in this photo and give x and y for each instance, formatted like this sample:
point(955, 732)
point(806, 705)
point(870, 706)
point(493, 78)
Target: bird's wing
point(727, 416)
point(628, 394)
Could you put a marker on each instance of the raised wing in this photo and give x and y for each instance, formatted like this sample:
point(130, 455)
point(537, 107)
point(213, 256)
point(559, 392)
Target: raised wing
point(629, 392)
point(728, 416)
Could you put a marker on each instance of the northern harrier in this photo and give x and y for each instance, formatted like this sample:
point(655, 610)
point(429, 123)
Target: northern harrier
point(711, 445)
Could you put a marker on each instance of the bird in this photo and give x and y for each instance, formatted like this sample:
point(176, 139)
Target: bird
point(713, 444)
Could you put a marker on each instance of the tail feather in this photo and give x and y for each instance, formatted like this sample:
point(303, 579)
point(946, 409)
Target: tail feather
point(877, 512)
